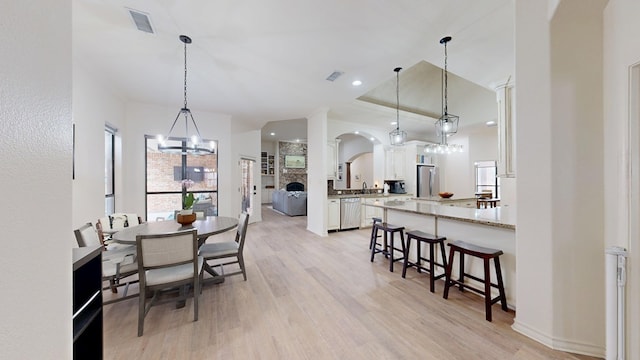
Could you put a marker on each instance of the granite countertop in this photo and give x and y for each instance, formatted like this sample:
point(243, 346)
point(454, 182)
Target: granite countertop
point(498, 216)
point(379, 195)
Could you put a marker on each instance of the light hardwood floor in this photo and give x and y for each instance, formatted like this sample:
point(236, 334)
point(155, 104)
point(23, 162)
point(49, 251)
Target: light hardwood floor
point(309, 297)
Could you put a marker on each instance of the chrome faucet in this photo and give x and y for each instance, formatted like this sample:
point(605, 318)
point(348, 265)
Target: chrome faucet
point(364, 187)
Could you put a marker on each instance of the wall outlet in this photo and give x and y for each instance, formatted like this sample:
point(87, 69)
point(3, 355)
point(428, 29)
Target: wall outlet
point(339, 192)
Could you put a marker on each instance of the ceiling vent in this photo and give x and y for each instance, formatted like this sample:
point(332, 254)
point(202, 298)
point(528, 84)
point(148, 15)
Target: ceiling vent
point(334, 75)
point(142, 20)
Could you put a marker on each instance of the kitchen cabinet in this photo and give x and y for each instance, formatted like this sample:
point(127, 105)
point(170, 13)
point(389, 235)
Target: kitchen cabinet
point(506, 131)
point(267, 195)
point(333, 214)
point(367, 212)
point(395, 163)
point(332, 158)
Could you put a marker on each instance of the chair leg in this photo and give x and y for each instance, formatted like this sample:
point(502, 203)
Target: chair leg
point(141, 302)
point(503, 296)
point(444, 255)
point(405, 263)
point(112, 285)
point(461, 278)
point(374, 244)
point(431, 268)
point(241, 263)
point(391, 253)
point(196, 295)
point(487, 290)
point(447, 275)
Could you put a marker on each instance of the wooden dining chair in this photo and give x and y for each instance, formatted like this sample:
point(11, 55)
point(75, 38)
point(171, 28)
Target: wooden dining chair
point(167, 261)
point(230, 252)
point(117, 264)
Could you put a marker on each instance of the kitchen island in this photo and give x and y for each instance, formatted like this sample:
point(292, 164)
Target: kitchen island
point(492, 228)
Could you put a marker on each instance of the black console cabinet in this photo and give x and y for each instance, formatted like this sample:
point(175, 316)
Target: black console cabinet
point(87, 303)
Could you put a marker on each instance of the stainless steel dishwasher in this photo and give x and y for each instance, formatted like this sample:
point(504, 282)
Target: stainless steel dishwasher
point(349, 213)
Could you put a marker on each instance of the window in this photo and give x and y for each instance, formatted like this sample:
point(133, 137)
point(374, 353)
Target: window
point(164, 173)
point(109, 170)
point(486, 177)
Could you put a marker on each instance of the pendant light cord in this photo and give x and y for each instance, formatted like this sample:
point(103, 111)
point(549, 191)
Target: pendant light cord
point(445, 79)
point(185, 75)
point(397, 98)
point(397, 70)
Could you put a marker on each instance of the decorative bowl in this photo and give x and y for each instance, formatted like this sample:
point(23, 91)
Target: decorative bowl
point(186, 219)
point(445, 195)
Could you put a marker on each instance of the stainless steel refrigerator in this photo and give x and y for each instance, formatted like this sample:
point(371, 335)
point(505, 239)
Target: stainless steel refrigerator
point(428, 183)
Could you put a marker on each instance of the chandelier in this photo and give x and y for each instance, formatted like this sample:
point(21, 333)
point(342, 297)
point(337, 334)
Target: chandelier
point(397, 136)
point(193, 145)
point(447, 124)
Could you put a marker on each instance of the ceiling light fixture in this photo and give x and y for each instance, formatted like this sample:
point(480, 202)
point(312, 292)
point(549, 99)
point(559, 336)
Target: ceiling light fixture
point(447, 124)
point(356, 83)
point(192, 143)
point(397, 136)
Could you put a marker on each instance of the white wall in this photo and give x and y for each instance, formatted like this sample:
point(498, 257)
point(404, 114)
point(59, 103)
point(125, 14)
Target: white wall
point(621, 208)
point(560, 230)
point(317, 172)
point(94, 105)
point(35, 173)
point(362, 167)
point(146, 119)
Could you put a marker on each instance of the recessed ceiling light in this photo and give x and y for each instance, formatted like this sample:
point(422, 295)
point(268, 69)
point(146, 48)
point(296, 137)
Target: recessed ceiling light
point(372, 138)
point(491, 123)
point(394, 123)
point(273, 134)
point(356, 132)
point(356, 83)
point(297, 140)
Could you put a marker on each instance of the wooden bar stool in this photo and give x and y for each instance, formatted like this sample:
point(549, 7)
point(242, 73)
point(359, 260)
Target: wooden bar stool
point(387, 248)
point(433, 241)
point(374, 233)
point(485, 254)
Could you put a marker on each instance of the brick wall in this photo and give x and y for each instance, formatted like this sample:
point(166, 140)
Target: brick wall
point(160, 177)
point(292, 174)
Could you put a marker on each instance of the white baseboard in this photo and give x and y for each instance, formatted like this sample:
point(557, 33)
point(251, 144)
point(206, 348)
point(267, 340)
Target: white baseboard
point(559, 344)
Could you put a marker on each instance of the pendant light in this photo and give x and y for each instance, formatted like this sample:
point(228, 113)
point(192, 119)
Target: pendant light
point(397, 136)
point(447, 124)
point(192, 144)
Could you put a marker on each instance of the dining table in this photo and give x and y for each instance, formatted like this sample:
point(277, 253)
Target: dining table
point(209, 226)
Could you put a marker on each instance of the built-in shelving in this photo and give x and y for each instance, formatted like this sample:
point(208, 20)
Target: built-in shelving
point(267, 164)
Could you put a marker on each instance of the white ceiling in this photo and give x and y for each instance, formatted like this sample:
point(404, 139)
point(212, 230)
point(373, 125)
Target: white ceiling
point(262, 61)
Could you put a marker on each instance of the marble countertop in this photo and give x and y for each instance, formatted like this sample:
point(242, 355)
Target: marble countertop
point(498, 216)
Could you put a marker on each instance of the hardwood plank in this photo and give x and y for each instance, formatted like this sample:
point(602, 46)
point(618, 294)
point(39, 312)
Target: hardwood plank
point(311, 297)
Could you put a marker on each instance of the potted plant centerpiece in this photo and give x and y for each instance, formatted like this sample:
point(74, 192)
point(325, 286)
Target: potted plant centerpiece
point(186, 215)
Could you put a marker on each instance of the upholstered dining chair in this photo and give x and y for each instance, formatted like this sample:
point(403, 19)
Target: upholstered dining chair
point(167, 261)
point(230, 252)
point(117, 264)
point(117, 221)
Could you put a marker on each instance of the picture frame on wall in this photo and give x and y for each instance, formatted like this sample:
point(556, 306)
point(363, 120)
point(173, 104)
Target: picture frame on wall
point(294, 161)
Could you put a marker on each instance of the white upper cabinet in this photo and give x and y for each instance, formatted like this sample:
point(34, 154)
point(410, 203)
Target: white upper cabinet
point(395, 163)
point(505, 96)
point(332, 155)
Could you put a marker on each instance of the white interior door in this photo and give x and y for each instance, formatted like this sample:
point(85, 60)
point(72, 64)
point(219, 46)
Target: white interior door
point(247, 186)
